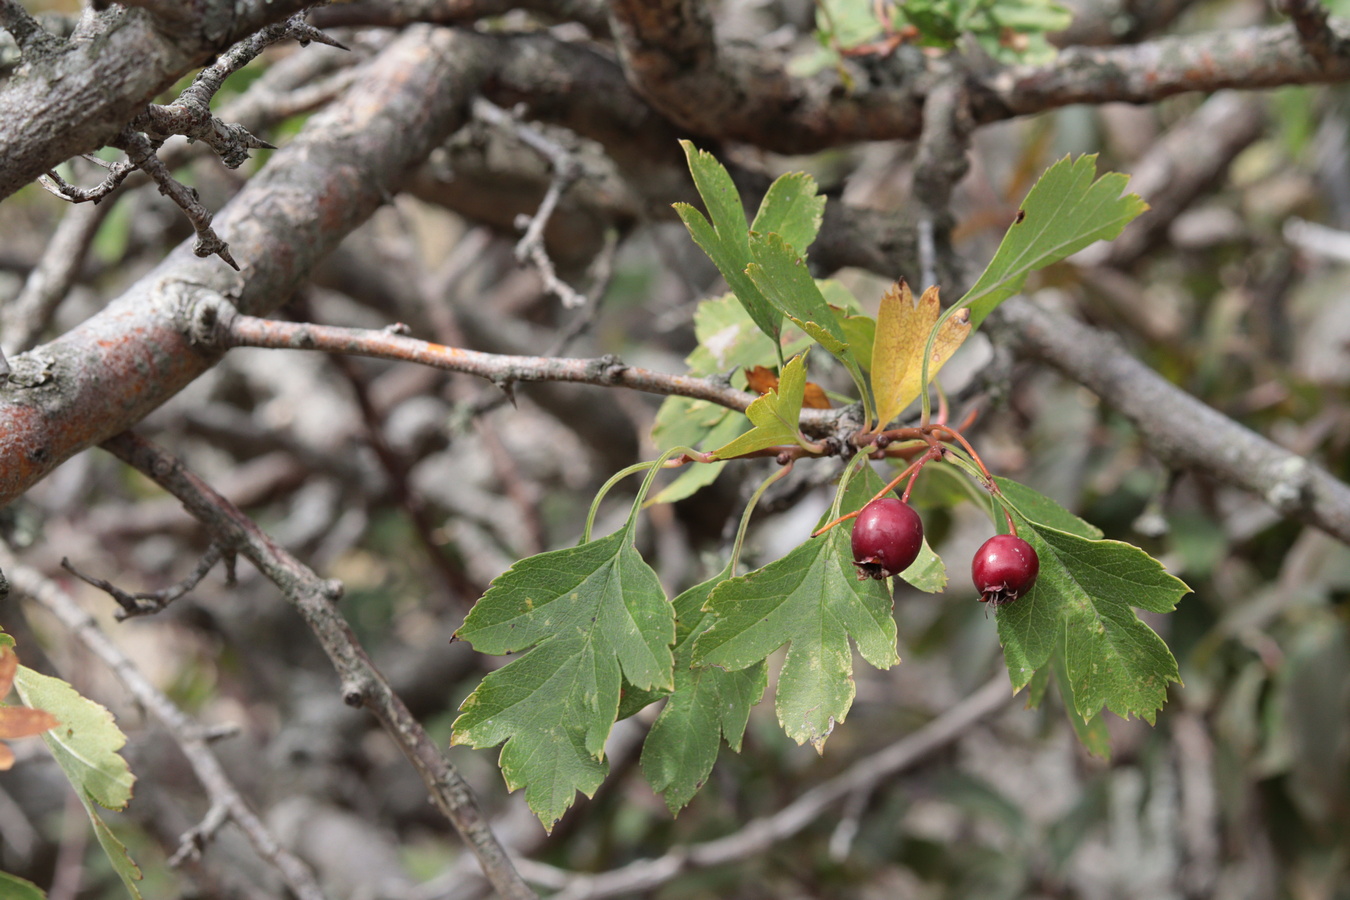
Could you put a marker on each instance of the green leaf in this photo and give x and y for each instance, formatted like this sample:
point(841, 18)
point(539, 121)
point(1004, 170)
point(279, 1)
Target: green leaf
point(86, 742)
point(1036, 507)
point(847, 22)
point(85, 746)
point(810, 600)
point(782, 275)
point(784, 279)
point(707, 705)
point(727, 339)
point(1092, 732)
point(927, 572)
point(590, 617)
point(1083, 596)
point(791, 209)
point(726, 238)
point(13, 887)
point(1065, 211)
point(775, 415)
point(860, 332)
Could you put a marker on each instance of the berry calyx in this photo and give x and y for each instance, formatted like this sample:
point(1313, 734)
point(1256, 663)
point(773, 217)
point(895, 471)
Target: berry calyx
point(1004, 569)
point(886, 538)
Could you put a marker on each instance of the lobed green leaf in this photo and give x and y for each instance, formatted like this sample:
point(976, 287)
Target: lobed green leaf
point(812, 601)
point(85, 746)
point(1084, 596)
point(1065, 211)
point(590, 617)
point(775, 415)
point(708, 704)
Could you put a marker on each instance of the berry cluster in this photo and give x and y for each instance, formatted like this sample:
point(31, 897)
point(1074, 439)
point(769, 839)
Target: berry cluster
point(889, 533)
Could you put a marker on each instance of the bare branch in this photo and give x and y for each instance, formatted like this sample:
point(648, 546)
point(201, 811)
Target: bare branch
point(117, 174)
point(607, 371)
point(145, 603)
point(111, 370)
point(190, 114)
point(566, 170)
point(190, 738)
point(141, 151)
point(65, 106)
point(1247, 59)
point(363, 685)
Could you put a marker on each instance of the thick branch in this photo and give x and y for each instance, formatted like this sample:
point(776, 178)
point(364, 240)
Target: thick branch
point(108, 373)
point(1247, 59)
point(673, 58)
point(1181, 430)
point(79, 99)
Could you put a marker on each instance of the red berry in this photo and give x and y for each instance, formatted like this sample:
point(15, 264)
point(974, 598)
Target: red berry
point(886, 538)
point(1004, 569)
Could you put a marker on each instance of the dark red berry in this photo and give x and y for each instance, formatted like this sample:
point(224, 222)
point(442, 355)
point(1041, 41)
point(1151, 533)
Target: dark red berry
point(886, 538)
point(1004, 569)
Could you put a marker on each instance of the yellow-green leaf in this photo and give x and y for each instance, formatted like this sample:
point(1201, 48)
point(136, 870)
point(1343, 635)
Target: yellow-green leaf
point(775, 415)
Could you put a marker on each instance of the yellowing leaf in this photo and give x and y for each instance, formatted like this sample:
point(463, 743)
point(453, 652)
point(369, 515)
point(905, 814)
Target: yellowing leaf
point(897, 350)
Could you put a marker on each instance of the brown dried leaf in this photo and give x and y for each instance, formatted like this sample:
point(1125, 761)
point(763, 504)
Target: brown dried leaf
point(761, 380)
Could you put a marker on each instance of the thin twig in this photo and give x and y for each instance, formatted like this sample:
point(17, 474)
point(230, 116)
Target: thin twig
point(141, 151)
point(148, 603)
point(566, 170)
point(238, 330)
point(190, 114)
point(187, 734)
point(362, 683)
point(53, 183)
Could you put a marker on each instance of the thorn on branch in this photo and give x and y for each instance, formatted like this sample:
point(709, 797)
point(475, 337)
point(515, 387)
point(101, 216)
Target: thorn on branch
point(141, 151)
